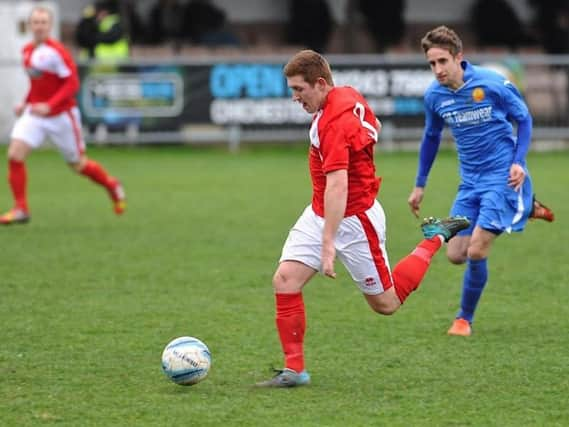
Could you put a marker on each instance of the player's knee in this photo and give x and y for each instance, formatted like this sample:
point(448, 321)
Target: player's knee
point(456, 258)
point(385, 306)
point(282, 282)
point(76, 167)
point(386, 310)
point(15, 156)
point(477, 252)
point(79, 165)
point(17, 151)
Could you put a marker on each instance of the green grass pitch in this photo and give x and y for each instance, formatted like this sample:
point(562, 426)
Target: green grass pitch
point(89, 300)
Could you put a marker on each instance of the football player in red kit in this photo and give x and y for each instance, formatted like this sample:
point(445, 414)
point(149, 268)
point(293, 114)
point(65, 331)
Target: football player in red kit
point(50, 110)
point(344, 219)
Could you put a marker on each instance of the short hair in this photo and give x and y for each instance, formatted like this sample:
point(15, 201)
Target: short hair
point(310, 65)
point(42, 9)
point(444, 38)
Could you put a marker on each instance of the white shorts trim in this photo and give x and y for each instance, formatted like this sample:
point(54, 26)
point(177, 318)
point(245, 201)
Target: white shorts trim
point(360, 246)
point(64, 131)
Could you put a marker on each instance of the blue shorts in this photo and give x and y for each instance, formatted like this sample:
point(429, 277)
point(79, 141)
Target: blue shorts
point(494, 207)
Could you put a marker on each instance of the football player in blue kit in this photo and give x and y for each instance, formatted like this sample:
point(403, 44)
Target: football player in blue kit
point(495, 191)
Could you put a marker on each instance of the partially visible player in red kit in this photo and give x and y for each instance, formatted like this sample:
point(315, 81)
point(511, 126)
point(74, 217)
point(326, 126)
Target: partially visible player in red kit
point(50, 110)
point(344, 218)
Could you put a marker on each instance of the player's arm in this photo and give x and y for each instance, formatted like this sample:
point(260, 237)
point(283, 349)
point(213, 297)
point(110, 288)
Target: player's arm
point(67, 90)
point(427, 153)
point(65, 69)
point(19, 108)
point(517, 110)
point(517, 170)
point(335, 151)
point(335, 199)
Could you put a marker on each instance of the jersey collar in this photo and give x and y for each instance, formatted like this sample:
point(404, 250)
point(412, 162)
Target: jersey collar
point(468, 70)
point(467, 76)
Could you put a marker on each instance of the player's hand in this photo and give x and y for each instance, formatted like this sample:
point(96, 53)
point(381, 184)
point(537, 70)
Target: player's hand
point(415, 200)
point(19, 109)
point(517, 176)
point(328, 256)
point(40, 109)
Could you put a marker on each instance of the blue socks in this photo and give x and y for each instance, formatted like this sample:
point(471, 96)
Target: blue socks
point(475, 278)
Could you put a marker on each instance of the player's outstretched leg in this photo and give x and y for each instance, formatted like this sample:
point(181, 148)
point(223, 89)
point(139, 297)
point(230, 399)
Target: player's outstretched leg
point(17, 178)
point(98, 174)
point(540, 211)
point(286, 378)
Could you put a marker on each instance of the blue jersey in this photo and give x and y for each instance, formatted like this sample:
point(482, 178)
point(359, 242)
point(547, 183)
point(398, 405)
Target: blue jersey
point(478, 114)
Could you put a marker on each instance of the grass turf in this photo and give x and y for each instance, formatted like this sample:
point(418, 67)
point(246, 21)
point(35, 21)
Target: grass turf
point(89, 300)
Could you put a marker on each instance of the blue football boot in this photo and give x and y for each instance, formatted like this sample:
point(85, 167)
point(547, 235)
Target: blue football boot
point(286, 378)
point(447, 227)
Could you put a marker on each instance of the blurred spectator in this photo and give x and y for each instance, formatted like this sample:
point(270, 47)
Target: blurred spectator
point(384, 21)
point(166, 23)
point(206, 24)
point(552, 22)
point(134, 25)
point(310, 24)
point(86, 32)
point(495, 23)
point(100, 32)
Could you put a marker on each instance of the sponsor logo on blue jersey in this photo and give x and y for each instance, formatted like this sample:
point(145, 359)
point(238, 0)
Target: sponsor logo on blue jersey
point(470, 117)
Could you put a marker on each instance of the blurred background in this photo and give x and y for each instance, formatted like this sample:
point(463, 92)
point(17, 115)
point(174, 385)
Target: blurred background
point(198, 71)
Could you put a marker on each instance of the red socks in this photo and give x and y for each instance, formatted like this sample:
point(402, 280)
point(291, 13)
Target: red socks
point(291, 316)
point(17, 177)
point(409, 272)
point(98, 174)
point(291, 324)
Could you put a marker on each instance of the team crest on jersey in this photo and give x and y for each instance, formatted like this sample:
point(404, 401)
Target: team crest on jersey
point(478, 94)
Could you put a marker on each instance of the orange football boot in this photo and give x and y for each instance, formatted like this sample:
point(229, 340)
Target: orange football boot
point(460, 327)
point(118, 197)
point(540, 211)
point(15, 216)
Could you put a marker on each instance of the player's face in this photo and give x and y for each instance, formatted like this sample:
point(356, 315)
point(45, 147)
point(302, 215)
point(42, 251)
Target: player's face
point(311, 97)
point(40, 25)
point(445, 67)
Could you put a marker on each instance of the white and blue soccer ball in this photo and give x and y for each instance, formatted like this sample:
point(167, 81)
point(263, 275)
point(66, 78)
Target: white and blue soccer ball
point(186, 360)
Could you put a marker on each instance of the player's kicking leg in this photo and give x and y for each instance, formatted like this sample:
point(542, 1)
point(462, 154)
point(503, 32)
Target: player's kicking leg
point(17, 179)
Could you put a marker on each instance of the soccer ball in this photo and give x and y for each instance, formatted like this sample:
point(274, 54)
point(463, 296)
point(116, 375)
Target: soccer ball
point(186, 360)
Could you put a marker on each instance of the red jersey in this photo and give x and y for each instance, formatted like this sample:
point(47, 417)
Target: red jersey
point(342, 136)
point(53, 75)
